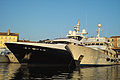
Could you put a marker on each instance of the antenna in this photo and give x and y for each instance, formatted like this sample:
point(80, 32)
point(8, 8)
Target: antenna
point(86, 21)
point(77, 27)
point(105, 34)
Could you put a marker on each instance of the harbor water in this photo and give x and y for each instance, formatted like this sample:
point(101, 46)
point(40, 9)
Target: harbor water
point(37, 72)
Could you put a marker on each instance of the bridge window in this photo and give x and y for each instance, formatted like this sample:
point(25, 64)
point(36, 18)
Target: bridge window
point(97, 43)
point(93, 43)
point(112, 60)
point(101, 43)
point(88, 44)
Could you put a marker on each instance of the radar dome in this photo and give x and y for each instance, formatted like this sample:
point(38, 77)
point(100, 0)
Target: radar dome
point(84, 31)
point(99, 25)
point(74, 33)
point(70, 32)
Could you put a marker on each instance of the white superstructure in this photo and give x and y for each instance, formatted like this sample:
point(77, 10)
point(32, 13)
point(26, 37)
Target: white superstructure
point(72, 36)
point(90, 51)
point(95, 51)
point(97, 42)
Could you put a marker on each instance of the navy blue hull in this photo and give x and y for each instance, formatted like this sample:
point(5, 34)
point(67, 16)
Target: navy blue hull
point(41, 55)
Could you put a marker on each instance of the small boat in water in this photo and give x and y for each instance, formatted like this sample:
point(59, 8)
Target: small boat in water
point(3, 56)
point(3, 59)
point(6, 56)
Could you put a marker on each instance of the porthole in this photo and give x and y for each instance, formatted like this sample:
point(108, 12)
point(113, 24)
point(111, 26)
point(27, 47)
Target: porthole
point(112, 60)
point(44, 49)
point(34, 48)
point(29, 48)
point(25, 47)
point(108, 59)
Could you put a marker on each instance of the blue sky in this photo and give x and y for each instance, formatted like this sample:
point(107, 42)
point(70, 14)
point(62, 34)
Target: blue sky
point(42, 19)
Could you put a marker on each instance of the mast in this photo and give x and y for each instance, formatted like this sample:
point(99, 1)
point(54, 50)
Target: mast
point(76, 28)
point(98, 31)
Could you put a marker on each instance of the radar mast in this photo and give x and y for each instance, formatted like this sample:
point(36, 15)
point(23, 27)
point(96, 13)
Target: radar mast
point(76, 28)
point(98, 31)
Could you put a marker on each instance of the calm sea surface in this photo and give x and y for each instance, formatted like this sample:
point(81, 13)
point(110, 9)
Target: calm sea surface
point(35, 72)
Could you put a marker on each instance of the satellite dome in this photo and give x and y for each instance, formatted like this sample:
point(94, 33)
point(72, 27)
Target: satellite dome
point(74, 33)
point(99, 25)
point(70, 32)
point(84, 31)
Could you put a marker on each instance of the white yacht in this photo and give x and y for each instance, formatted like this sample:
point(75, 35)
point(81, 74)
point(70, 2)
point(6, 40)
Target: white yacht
point(95, 51)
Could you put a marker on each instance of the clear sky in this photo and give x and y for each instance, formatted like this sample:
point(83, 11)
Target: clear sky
point(42, 19)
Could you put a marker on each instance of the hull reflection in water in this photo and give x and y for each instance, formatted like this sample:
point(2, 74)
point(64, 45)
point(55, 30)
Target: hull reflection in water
point(38, 72)
point(7, 70)
point(97, 73)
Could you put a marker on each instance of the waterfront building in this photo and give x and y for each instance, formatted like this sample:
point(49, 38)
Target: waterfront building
point(8, 37)
point(115, 44)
